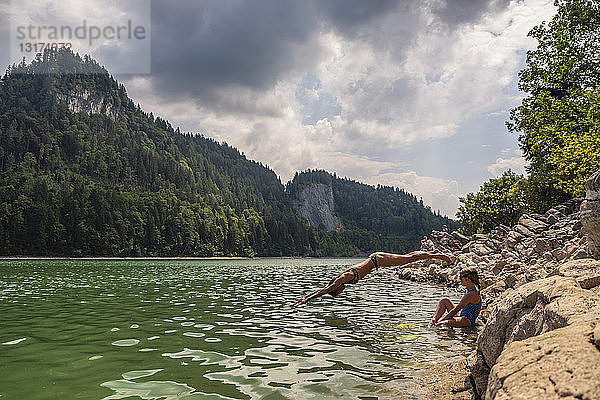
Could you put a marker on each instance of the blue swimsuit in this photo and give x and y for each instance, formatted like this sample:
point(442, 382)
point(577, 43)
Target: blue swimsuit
point(471, 310)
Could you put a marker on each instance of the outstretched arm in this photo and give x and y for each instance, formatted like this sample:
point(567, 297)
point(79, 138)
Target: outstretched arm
point(336, 284)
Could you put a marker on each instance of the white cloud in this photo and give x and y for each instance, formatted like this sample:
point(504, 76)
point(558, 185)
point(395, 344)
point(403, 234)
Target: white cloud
point(395, 88)
point(441, 80)
point(98, 28)
point(516, 164)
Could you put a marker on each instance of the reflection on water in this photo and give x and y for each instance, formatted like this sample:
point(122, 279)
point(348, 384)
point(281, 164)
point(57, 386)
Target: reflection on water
point(189, 329)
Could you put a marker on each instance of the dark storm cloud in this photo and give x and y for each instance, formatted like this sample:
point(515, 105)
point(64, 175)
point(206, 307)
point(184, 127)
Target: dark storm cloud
point(347, 15)
point(199, 47)
point(456, 12)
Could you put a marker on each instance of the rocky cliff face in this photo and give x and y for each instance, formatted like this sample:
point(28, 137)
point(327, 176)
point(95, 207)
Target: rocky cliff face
point(541, 293)
point(88, 102)
point(315, 203)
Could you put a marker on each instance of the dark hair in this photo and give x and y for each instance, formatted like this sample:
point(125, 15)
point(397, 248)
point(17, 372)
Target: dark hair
point(471, 273)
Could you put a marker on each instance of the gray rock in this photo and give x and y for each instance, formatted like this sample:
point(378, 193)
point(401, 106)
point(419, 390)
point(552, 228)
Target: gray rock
point(530, 310)
point(555, 365)
point(480, 249)
point(541, 245)
point(552, 219)
point(590, 211)
point(586, 272)
point(523, 230)
point(519, 249)
point(580, 254)
point(480, 372)
point(315, 203)
point(507, 254)
point(462, 239)
point(590, 220)
point(499, 266)
point(559, 254)
point(592, 187)
point(533, 309)
point(88, 102)
point(510, 280)
point(532, 223)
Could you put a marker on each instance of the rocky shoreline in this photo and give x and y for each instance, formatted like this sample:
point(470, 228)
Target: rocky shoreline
point(541, 305)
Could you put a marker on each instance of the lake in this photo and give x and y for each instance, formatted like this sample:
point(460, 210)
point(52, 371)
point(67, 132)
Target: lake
point(213, 329)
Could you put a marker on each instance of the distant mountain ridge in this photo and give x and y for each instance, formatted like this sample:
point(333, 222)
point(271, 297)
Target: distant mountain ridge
point(84, 171)
point(386, 217)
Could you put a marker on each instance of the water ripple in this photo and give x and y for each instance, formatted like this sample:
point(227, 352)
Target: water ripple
point(230, 322)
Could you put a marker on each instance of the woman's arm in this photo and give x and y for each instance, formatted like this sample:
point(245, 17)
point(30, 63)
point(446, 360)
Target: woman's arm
point(339, 281)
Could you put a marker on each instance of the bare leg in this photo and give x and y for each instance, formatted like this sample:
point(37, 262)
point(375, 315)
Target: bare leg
point(444, 306)
point(457, 322)
point(394, 260)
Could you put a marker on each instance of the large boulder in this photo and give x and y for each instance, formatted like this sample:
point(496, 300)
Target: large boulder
point(559, 364)
point(533, 223)
point(590, 212)
point(447, 242)
point(532, 309)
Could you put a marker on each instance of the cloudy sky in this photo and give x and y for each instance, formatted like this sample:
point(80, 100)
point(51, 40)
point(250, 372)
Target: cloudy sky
point(409, 93)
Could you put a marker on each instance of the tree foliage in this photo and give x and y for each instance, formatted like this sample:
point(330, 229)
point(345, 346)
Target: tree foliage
point(558, 122)
point(121, 182)
point(495, 203)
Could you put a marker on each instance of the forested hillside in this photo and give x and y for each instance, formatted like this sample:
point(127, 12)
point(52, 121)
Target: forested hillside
point(380, 217)
point(84, 171)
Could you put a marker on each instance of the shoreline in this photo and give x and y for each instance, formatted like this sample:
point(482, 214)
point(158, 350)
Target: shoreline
point(42, 258)
point(540, 320)
point(25, 258)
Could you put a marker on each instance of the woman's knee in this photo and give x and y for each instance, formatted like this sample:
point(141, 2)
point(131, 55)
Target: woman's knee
point(446, 302)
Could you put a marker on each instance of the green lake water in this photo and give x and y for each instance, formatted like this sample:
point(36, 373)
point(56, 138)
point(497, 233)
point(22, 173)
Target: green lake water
point(212, 329)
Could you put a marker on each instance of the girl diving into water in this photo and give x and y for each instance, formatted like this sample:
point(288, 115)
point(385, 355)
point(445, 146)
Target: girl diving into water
point(358, 271)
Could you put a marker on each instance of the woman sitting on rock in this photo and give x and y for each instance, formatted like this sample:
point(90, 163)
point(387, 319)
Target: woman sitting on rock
point(358, 271)
point(469, 306)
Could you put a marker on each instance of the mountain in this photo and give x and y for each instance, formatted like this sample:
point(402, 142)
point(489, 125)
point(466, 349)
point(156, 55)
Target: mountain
point(368, 217)
point(85, 171)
